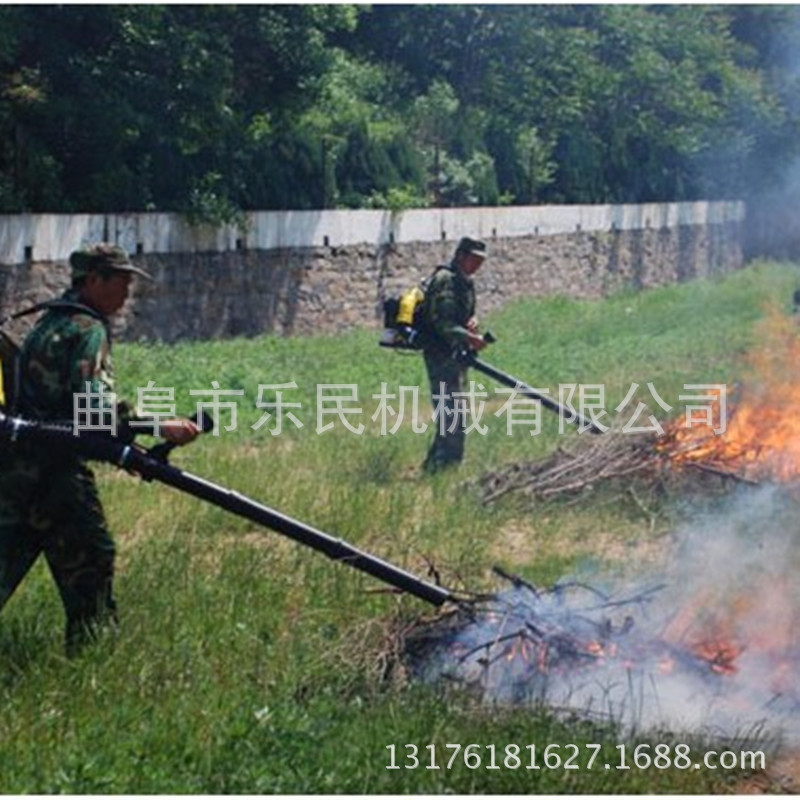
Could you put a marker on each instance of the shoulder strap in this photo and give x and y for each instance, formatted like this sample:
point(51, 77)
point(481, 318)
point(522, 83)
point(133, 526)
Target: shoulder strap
point(56, 304)
point(429, 280)
point(422, 319)
point(10, 361)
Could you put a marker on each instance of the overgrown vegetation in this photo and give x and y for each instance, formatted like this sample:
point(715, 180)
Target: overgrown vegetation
point(248, 664)
point(214, 109)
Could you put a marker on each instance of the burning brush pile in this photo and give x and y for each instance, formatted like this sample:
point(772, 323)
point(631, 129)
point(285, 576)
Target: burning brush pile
point(707, 642)
point(751, 438)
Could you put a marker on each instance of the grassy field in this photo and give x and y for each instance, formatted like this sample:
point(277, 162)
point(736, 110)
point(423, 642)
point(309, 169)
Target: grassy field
point(249, 664)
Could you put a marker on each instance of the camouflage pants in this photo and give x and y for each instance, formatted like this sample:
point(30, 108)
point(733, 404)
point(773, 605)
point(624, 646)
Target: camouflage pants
point(57, 512)
point(447, 447)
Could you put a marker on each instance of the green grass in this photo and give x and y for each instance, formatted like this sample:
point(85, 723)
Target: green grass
point(249, 664)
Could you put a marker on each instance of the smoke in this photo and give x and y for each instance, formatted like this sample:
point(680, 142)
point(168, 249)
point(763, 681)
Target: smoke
point(771, 179)
point(733, 574)
point(704, 645)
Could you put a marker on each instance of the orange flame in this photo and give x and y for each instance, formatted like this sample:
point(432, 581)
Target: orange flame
point(760, 438)
point(720, 654)
point(709, 635)
point(756, 618)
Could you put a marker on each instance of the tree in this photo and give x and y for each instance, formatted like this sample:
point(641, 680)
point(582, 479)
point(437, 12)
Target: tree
point(535, 159)
point(213, 109)
point(433, 115)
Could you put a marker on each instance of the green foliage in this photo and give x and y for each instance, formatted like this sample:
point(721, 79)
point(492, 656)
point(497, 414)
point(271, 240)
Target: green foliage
point(209, 205)
point(535, 161)
point(398, 199)
point(133, 107)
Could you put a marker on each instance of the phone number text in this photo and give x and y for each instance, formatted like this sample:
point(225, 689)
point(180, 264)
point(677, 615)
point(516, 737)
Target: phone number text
point(569, 756)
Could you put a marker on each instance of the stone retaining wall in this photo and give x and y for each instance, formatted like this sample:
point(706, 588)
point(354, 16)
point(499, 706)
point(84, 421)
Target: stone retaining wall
point(236, 289)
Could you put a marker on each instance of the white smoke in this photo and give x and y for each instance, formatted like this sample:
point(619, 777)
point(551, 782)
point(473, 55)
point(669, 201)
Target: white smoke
point(630, 654)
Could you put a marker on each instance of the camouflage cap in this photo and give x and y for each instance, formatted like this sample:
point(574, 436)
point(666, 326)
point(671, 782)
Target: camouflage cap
point(473, 246)
point(104, 257)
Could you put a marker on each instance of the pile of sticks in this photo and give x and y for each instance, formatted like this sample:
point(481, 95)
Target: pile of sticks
point(550, 644)
point(571, 471)
point(592, 461)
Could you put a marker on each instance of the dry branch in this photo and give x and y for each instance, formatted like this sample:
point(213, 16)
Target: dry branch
point(571, 471)
point(590, 462)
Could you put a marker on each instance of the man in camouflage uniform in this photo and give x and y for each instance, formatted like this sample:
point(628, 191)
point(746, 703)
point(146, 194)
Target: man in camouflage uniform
point(48, 498)
point(450, 325)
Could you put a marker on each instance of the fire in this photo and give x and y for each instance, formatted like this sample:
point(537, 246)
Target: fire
point(758, 435)
point(719, 653)
point(755, 619)
point(711, 633)
point(723, 654)
point(543, 662)
point(595, 648)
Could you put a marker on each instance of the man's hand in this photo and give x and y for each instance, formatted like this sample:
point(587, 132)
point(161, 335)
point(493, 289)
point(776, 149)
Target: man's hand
point(475, 341)
point(179, 431)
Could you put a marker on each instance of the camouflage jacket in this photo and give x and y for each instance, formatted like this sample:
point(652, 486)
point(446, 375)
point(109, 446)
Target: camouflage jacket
point(449, 305)
point(67, 348)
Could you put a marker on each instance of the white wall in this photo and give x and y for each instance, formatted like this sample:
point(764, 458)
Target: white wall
point(52, 237)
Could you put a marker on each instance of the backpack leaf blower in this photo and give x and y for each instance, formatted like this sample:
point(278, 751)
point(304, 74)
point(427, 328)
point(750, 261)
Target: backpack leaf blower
point(404, 329)
point(152, 464)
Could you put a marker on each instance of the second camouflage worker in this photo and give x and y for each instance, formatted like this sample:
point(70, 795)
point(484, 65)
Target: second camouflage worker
point(450, 324)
